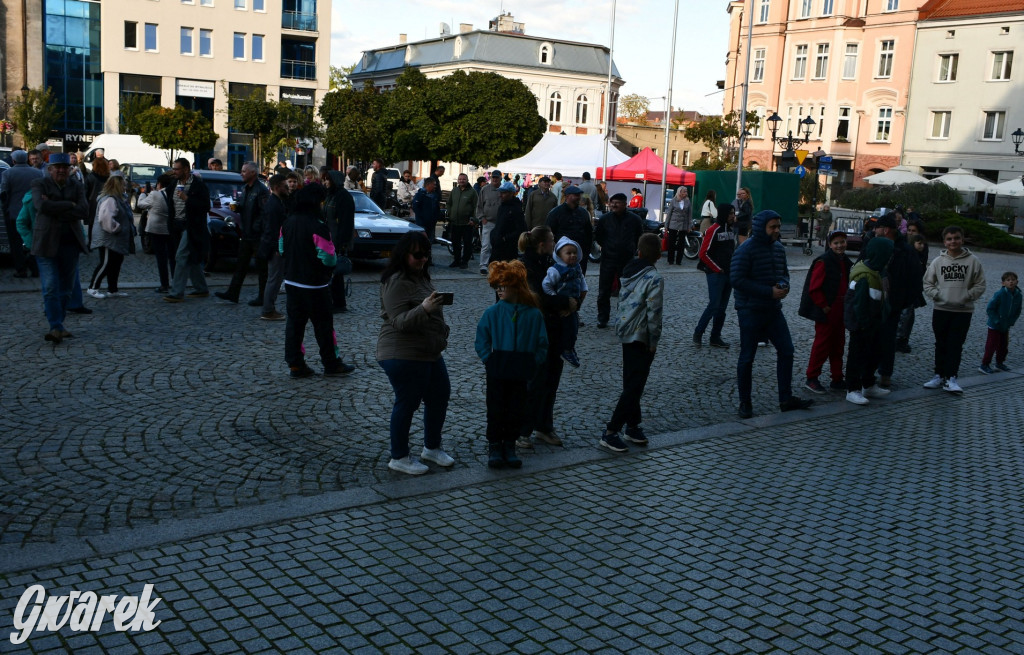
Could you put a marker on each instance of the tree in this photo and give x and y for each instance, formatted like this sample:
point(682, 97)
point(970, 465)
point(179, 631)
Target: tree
point(339, 77)
point(718, 133)
point(293, 122)
point(177, 130)
point(255, 115)
point(634, 107)
point(35, 114)
point(350, 119)
point(132, 106)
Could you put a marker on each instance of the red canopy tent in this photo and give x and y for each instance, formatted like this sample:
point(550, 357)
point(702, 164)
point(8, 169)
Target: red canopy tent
point(646, 166)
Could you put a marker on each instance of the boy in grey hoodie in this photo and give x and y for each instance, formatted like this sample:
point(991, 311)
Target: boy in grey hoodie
point(953, 281)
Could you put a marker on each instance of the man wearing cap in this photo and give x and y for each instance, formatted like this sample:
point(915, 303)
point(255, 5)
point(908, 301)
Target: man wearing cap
point(508, 225)
point(760, 280)
point(58, 238)
point(618, 233)
point(570, 220)
point(44, 156)
point(461, 220)
point(906, 284)
point(16, 182)
point(539, 204)
point(488, 201)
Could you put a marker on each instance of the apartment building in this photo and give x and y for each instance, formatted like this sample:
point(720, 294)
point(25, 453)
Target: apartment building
point(198, 52)
point(845, 64)
point(966, 90)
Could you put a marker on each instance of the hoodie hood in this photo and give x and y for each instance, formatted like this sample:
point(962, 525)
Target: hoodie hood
point(566, 241)
point(878, 253)
point(337, 180)
point(758, 223)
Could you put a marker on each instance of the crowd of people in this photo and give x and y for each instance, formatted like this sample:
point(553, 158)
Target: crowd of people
point(300, 225)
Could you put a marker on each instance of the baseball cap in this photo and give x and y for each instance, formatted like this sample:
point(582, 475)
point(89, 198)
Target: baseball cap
point(573, 189)
point(507, 186)
point(59, 159)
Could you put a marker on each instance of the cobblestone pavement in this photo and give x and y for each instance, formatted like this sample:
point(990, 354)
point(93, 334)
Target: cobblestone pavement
point(890, 529)
point(157, 412)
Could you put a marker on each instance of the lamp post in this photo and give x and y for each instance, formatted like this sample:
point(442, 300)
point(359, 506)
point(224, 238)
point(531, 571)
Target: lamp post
point(1018, 139)
point(814, 203)
point(789, 142)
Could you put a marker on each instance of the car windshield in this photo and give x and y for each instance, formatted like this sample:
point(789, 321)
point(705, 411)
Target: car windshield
point(148, 172)
point(224, 188)
point(365, 205)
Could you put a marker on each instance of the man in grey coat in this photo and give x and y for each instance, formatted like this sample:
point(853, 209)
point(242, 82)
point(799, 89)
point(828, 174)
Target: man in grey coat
point(16, 182)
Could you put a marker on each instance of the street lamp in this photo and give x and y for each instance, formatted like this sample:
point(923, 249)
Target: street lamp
point(789, 142)
point(1018, 139)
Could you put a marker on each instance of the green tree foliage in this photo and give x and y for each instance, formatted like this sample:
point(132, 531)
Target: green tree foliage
point(339, 77)
point(634, 107)
point(34, 115)
point(255, 115)
point(132, 106)
point(926, 199)
point(719, 133)
point(177, 130)
point(350, 121)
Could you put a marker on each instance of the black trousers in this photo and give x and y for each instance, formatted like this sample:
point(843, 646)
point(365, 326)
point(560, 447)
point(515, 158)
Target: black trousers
point(19, 256)
point(950, 330)
point(108, 267)
point(246, 251)
point(303, 306)
point(609, 271)
point(636, 366)
point(862, 359)
point(164, 247)
point(506, 407)
point(462, 243)
point(676, 245)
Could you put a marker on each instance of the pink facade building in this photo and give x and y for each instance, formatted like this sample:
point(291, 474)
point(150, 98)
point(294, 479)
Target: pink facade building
point(845, 64)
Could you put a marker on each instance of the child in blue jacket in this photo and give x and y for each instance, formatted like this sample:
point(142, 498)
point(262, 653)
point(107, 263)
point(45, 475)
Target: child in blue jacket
point(1003, 311)
point(512, 342)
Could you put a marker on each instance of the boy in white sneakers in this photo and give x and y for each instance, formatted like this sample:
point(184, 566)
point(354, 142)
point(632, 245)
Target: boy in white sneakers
point(953, 281)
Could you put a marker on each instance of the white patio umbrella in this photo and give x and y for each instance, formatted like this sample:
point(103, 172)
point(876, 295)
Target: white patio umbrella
point(963, 181)
point(1014, 188)
point(895, 175)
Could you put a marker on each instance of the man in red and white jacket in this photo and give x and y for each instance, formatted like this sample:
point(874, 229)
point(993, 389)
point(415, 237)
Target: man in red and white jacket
point(714, 257)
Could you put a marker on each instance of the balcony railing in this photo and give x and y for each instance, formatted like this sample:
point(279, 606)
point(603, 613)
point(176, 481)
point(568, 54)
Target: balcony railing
point(298, 70)
point(294, 20)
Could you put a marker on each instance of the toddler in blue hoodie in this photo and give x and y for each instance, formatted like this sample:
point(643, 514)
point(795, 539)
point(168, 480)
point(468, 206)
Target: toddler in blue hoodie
point(565, 278)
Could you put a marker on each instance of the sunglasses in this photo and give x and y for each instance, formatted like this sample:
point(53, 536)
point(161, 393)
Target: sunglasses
point(419, 255)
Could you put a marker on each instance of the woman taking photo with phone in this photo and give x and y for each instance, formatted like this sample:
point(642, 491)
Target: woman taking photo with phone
point(412, 337)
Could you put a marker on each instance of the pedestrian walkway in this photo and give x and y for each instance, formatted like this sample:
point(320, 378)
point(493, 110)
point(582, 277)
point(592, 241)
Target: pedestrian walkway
point(888, 529)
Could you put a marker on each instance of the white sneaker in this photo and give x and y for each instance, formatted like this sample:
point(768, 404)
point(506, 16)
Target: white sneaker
point(437, 456)
point(408, 465)
point(96, 293)
point(875, 391)
point(857, 398)
point(934, 383)
point(951, 386)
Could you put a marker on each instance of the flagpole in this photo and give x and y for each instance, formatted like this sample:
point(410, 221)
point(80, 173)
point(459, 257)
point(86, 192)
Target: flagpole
point(608, 123)
point(746, 88)
point(668, 112)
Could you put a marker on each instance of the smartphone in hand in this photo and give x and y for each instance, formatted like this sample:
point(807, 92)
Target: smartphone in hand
point(447, 297)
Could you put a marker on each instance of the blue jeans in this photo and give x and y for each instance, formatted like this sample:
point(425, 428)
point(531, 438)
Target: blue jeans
point(417, 382)
point(759, 325)
point(719, 290)
point(57, 277)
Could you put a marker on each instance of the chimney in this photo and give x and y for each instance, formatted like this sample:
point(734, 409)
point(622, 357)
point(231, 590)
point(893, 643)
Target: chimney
point(402, 38)
point(465, 27)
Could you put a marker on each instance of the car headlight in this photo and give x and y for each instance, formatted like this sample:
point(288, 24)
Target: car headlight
point(363, 234)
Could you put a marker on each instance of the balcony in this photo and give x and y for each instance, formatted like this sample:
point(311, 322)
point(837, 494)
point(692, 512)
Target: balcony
point(296, 20)
point(298, 70)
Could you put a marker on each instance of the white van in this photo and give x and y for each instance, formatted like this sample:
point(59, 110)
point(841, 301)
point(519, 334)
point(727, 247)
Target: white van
point(130, 148)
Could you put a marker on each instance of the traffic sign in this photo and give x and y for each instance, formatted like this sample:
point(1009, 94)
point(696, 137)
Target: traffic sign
point(825, 159)
point(824, 166)
point(831, 173)
point(801, 155)
point(800, 170)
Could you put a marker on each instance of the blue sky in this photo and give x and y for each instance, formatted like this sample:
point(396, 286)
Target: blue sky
point(643, 36)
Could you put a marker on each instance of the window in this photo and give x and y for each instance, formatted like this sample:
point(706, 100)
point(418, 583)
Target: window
point(686, 153)
point(821, 121)
point(257, 47)
point(188, 2)
point(757, 129)
point(555, 108)
point(995, 121)
point(205, 43)
point(205, 3)
point(675, 157)
point(892, 5)
point(826, 7)
point(150, 35)
point(545, 54)
point(947, 67)
point(1002, 62)
point(821, 62)
point(758, 65)
point(940, 124)
point(240, 4)
point(131, 34)
point(850, 61)
point(259, 5)
point(805, 8)
point(885, 58)
point(186, 41)
point(239, 46)
point(884, 124)
point(800, 63)
point(765, 6)
point(843, 124)
point(581, 109)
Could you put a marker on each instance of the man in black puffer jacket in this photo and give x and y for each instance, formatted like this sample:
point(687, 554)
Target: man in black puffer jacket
point(760, 280)
point(617, 233)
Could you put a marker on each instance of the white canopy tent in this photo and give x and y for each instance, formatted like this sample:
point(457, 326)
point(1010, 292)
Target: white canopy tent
point(570, 155)
point(895, 175)
point(1013, 188)
point(963, 180)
